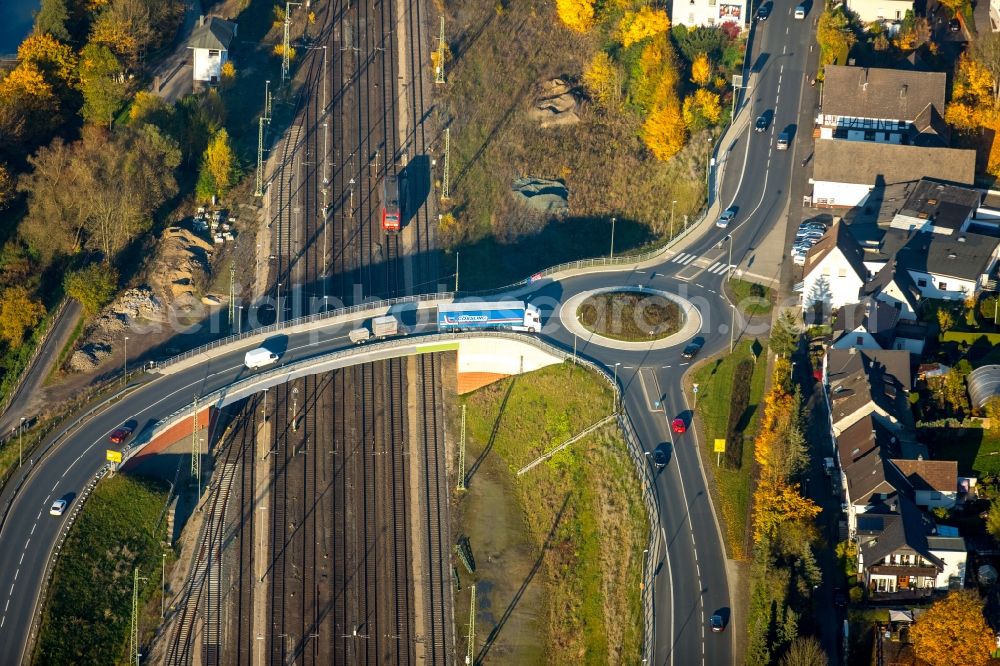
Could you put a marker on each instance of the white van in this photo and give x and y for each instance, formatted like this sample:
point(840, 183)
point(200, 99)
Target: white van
point(259, 358)
point(800, 12)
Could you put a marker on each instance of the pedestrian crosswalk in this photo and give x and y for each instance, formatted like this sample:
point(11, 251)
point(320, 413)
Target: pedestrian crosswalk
point(685, 258)
point(719, 268)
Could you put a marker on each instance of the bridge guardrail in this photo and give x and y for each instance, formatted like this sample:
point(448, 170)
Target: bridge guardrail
point(635, 450)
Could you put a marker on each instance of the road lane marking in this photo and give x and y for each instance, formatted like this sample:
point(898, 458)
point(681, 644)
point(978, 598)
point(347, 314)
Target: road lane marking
point(650, 402)
point(2, 620)
point(33, 529)
point(54, 486)
point(17, 571)
point(26, 543)
point(11, 593)
point(6, 605)
point(21, 561)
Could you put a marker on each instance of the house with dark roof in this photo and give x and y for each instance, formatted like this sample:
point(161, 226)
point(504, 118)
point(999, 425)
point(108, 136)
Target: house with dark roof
point(846, 173)
point(894, 286)
point(880, 104)
point(900, 554)
point(869, 324)
point(937, 207)
point(934, 482)
point(210, 43)
point(834, 270)
point(859, 383)
point(868, 435)
point(953, 267)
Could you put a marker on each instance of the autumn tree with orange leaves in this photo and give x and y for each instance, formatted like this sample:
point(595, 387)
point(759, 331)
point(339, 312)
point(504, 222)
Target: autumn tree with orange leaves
point(953, 631)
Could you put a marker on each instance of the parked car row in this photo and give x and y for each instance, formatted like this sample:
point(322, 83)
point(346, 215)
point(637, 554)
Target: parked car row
point(808, 234)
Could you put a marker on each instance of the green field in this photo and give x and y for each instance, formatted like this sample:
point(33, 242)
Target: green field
point(88, 612)
point(751, 298)
point(582, 512)
point(732, 490)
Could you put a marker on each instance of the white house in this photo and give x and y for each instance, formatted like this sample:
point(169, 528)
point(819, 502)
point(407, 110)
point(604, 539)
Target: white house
point(995, 15)
point(934, 482)
point(953, 554)
point(210, 42)
point(834, 271)
point(845, 172)
point(868, 324)
point(952, 267)
point(694, 13)
point(894, 286)
point(883, 11)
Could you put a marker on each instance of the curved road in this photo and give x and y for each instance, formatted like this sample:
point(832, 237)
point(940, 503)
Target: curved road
point(691, 582)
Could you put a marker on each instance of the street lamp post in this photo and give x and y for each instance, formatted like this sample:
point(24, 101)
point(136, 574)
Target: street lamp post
point(20, 442)
point(672, 204)
point(456, 270)
point(732, 329)
point(279, 305)
point(239, 322)
point(612, 238)
point(125, 381)
point(695, 391)
point(614, 396)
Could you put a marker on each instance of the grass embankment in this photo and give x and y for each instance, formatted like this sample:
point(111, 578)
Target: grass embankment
point(87, 615)
point(752, 299)
point(582, 510)
point(630, 316)
point(501, 54)
point(723, 383)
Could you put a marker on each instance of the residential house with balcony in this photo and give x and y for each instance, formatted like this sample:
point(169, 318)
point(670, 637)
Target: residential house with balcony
point(900, 555)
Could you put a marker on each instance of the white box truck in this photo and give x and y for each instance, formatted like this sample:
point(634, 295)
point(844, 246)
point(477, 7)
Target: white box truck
point(385, 326)
point(259, 358)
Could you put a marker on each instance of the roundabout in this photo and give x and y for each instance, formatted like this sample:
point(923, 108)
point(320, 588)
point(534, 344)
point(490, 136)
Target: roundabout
point(690, 319)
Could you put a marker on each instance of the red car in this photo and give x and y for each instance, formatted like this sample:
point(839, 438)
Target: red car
point(679, 426)
point(119, 435)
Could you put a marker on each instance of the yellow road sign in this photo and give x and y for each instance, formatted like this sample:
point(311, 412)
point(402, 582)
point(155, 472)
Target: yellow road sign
point(114, 456)
point(720, 446)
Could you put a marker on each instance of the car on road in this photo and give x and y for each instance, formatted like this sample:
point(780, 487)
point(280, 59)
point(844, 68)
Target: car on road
point(800, 12)
point(839, 598)
point(659, 457)
point(784, 139)
point(764, 11)
point(119, 435)
point(678, 426)
point(717, 623)
point(58, 507)
point(692, 348)
point(954, 25)
point(727, 216)
point(763, 122)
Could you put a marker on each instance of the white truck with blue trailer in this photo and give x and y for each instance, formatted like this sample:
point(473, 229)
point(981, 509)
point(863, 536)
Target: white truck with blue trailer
point(479, 315)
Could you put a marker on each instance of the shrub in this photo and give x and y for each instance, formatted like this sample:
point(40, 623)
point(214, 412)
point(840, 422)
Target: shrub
point(742, 376)
point(94, 286)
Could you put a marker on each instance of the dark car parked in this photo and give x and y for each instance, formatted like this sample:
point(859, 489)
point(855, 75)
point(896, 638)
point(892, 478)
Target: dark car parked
point(764, 11)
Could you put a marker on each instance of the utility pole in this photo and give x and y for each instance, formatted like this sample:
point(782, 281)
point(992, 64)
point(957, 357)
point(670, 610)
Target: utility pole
point(125, 362)
point(163, 588)
point(461, 455)
point(264, 119)
point(133, 651)
point(471, 652)
point(445, 185)
point(20, 439)
point(295, 409)
point(672, 204)
point(196, 447)
point(456, 270)
point(285, 60)
point(439, 73)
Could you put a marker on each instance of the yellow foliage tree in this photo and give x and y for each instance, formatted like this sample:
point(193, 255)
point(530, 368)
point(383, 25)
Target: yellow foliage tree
point(657, 76)
point(18, 313)
point(50, 55)
point(776, 503)
point(602, 79)
point(7, 187)
point(701, 70)
point(577, 15)
point(228, 74)
point(663, 132)
point(701, 109)
point(117, 35)
point(220, 161)
point(643, 24)
point(25, 85)
point(953, 631)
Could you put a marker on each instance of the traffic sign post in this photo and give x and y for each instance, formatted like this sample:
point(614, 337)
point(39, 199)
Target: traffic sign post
point(720, 448)
point(695, 390)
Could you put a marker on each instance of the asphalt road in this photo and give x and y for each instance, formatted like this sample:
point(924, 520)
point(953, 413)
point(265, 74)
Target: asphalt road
point(691, 582)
